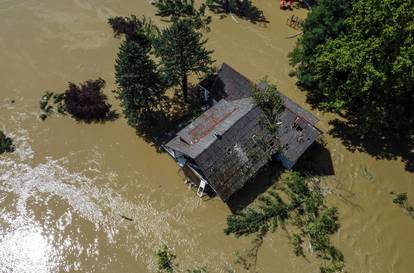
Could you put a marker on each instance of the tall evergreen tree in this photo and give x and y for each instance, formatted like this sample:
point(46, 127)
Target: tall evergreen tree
point(140, 88)
point(182, 52)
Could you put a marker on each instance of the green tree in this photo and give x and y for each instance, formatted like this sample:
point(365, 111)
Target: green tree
point(267, 98)
point(182, 52)
point(367, 71)
point(6, 144)
point(325, 21)
point(87, 102)
point(140, 88)
point(165, 258)
point(304, 209)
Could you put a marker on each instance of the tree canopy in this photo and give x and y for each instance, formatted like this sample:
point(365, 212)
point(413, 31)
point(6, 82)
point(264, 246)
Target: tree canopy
point(361, 65)
point(302, 206)
point(182, 52)
point(267, 98)
point(87, 102)
point(140, 88)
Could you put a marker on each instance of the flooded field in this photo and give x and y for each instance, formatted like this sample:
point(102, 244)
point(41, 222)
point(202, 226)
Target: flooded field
point(64, 190)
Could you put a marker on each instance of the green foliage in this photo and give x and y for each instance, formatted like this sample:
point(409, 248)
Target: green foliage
point(182, 52)
point(140, 88)
point(304, 209)
point(320, 228)
point(297, 242)
point(267, 98)
point(6, 144)
point(184, 9)
point(51, 103)
point(86, 101)
point(364, 65)
point(325, 21)
point(165, 259)
point(401, 199)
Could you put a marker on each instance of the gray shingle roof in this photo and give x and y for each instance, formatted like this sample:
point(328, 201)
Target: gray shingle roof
point(201, 133)
point(228, 141)
point(228, 84)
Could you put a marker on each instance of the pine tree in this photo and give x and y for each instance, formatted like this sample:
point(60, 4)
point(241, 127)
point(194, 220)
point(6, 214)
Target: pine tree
point(182, 52)
point(140, 88)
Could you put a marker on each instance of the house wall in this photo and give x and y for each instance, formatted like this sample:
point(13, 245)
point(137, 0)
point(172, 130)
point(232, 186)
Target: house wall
point(285, 162)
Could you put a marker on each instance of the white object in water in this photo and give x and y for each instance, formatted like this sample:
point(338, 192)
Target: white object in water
point(201, 188)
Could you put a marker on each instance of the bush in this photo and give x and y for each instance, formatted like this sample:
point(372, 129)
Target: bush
point(87, 102)
point(6, 144)
point(48, 107)
point(165, 258)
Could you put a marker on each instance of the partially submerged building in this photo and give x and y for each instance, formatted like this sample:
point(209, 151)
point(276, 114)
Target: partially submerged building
point(227, 145)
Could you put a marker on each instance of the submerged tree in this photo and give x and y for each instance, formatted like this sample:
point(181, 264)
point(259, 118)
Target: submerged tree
point(140, 88)
point(87, 102)
point(304, 209)
point(6, 144)
point(165, 258)
point(401, 199)
point(182, 52)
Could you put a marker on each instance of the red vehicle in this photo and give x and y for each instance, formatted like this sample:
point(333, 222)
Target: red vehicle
point(286, 4)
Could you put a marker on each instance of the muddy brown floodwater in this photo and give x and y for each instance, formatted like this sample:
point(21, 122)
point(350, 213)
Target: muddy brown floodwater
point(63, 191)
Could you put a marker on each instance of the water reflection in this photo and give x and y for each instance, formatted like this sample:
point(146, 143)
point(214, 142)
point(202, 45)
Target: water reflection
point(28, 249)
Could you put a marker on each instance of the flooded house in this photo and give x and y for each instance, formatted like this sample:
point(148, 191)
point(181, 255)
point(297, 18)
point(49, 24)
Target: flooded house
point(227, 145)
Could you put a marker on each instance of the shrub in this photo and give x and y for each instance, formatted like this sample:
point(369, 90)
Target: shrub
point(6, 144)
point(87, 102)
point(165, 258)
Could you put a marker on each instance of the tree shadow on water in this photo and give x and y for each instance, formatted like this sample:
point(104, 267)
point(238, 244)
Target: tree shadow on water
point(162, 125)
point(388, 146)
point(111, 116)
point(243, 10)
